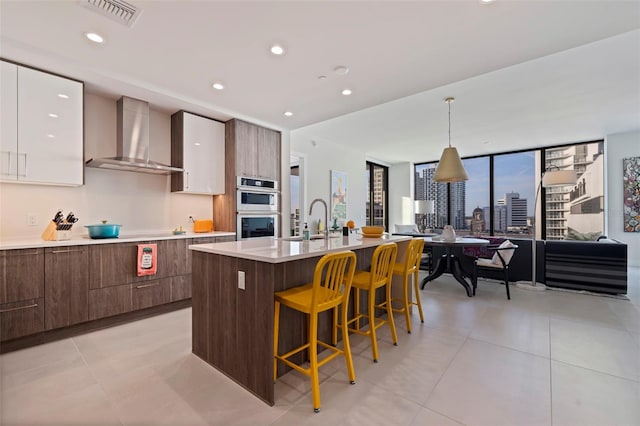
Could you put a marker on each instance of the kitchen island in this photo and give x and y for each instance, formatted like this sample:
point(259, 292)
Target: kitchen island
point(233, 305)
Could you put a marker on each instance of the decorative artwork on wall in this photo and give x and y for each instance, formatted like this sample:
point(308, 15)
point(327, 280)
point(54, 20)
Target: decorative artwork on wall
point(338, 195)
point(631, 182)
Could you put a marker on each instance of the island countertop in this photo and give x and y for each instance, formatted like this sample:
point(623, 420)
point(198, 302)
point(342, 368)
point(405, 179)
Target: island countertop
point(279, 250)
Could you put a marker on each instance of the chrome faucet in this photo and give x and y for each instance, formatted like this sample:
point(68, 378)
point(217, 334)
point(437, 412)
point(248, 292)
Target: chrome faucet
point(326, 213)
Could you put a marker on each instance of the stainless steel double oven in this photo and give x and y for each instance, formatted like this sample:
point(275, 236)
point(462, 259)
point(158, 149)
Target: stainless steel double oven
point(257, 208)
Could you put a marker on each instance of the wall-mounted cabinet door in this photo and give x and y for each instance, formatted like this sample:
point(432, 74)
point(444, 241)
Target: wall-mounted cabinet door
point(8, 121)
point(246, 144)
point(66, 286)
point(197, 145)
point(50, 129)
point(268, 154)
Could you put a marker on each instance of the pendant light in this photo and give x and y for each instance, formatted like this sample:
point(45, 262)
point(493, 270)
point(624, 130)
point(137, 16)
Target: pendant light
point(450, 168)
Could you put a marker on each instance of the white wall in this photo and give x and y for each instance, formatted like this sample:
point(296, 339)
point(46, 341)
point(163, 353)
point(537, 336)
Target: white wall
point(401, 209)
point(321, 157)
point(619, 146)
point(140, 202)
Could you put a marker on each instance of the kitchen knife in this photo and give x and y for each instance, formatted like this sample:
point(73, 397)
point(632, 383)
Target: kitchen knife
point(70, 218)
point(58, 217)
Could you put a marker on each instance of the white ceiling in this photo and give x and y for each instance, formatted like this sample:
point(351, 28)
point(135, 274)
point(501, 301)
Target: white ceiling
point(524, 73)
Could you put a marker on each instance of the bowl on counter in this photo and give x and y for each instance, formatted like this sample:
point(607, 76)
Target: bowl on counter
point(103, 230)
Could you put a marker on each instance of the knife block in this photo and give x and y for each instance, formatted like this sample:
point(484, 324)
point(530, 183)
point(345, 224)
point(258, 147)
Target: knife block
point(51, 234)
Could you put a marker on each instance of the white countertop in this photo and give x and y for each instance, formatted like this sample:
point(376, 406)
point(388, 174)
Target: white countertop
point(278, 250)
point(25, 243)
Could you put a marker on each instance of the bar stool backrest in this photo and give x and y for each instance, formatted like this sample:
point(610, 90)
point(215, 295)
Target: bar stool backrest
point(414, 255)
point(384, 257)
point(332, 279)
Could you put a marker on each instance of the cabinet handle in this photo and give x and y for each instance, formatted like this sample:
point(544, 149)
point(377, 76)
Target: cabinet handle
point(66, 251)
point(187, 185)
point(30, 253)
point(25, 164)
point(19, 308)
point(147, 285)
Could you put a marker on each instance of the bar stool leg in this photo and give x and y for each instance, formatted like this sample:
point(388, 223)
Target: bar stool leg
point(276, 330)
point(372, 324)
point(347, 345)
point(405, 300)
point(392, 323)
point(313, 359)
point(416, 289)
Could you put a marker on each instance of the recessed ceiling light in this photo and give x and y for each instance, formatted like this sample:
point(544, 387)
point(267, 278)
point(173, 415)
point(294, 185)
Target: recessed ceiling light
point(63, 96)
point(322, 77)
point(197, 144)
point(341, 70)
point(276, 49)
point(51, 136)
point(486, 1)
point(346, 92)
point(52, 115)
point(218, 86)
point(288, 113)
point(96, 38)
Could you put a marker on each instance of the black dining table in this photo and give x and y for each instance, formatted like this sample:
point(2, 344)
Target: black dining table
point(450, 263)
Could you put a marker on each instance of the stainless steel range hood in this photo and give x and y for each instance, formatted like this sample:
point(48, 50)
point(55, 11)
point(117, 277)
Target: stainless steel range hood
point(132, 147)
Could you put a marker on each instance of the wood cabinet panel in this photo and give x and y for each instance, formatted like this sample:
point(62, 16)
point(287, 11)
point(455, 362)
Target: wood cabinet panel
point(112, 264)
point(268, 154)
point(105, 302)
point(225, 238)
point(22, 318)
point(66, 286)
point(246, 147)
point(175, 256)
point(148, 294)
point(21, 275)
point(181, 287)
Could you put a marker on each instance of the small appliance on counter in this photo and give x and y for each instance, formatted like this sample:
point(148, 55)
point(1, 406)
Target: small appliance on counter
point(201, 225)
point(59, 229)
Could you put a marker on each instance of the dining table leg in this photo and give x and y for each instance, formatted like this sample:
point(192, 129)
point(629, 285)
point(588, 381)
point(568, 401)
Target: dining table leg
point(448, 263)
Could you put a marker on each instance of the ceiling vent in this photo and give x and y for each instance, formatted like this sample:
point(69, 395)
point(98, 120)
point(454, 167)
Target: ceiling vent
point(117, 10)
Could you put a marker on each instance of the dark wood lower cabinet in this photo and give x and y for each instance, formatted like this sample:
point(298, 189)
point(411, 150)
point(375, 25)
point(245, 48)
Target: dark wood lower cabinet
point(66, 286)
point(22, 318)
point(180, 287)
point(60, 287)
point(105, 302)
point(146, 295)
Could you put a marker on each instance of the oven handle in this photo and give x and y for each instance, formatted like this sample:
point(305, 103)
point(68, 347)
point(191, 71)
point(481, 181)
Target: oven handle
point(257, 189)
point(257, 213)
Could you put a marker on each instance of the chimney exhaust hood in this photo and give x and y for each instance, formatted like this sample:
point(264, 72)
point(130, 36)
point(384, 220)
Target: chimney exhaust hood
point(132, 147)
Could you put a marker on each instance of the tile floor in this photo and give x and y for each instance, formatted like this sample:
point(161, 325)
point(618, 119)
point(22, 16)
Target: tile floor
point(543, 358)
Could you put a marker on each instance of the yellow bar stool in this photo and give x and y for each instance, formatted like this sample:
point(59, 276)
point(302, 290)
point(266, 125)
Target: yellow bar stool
point(384, 257)
point(410, 266)
point(330, 289)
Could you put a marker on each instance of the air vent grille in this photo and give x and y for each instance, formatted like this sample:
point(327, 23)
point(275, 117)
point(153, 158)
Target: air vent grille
point(117, 10)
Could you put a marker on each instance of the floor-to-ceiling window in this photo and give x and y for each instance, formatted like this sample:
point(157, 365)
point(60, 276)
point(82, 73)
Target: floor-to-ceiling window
point(377, 198)
point(499, 197)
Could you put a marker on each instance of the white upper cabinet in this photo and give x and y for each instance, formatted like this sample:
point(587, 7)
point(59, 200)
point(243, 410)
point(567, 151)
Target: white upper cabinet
point(197, 145)
point(9, 121)
point(43, 139)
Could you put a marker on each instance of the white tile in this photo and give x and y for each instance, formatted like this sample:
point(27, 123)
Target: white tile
point(598, 348)
point(491, 385)
point(586, 397)
point(428, 417)
point(516, 330)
